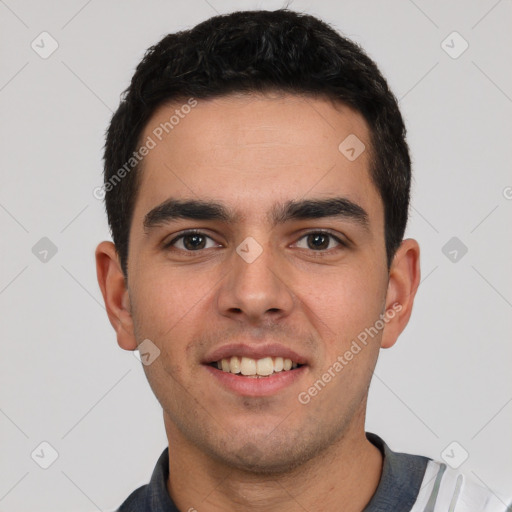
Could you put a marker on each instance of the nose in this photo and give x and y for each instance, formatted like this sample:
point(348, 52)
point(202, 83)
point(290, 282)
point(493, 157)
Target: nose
point(255, 291)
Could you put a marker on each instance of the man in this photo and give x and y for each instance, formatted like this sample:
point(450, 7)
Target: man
point(257, 187)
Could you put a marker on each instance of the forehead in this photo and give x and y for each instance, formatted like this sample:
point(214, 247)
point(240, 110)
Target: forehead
point(253, 150)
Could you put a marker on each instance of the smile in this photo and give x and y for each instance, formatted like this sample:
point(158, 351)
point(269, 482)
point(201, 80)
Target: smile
point(249, 367)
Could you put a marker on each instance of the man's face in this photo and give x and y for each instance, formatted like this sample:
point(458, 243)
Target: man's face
point(266, 277)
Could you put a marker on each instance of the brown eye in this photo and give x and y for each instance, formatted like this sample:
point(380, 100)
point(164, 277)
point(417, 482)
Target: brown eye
point(319, 241)
point(193, 241)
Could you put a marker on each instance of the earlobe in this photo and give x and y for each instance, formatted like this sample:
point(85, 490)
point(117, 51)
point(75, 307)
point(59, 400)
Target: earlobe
point(404, 279)
point(115, 294)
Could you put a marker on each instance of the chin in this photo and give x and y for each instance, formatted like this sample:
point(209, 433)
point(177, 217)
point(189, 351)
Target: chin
point(267, 457)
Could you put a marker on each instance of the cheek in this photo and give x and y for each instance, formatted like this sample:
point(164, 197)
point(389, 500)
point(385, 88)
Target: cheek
point(344, 302)
point(166, 300)
point(170, 310)
point(162, 311)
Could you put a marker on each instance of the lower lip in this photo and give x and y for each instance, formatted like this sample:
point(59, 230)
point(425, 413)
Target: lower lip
point(263, 386)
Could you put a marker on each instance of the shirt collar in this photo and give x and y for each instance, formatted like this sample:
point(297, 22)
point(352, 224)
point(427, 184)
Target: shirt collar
point(400, 482)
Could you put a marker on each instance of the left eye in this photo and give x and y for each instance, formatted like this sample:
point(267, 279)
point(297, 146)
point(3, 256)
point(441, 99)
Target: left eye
point(319, 241)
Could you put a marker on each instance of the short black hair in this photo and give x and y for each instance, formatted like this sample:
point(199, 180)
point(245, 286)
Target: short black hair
point(258, 51)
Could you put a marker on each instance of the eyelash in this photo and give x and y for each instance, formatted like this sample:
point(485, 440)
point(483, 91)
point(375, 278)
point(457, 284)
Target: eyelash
point(169, 245)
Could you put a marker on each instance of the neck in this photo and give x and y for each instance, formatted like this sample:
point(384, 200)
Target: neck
point(347, 472)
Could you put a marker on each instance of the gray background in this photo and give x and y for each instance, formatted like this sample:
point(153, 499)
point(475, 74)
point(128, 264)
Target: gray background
point(64, 380)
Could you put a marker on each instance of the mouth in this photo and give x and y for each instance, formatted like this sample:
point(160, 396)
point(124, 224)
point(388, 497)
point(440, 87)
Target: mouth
point(255, 368)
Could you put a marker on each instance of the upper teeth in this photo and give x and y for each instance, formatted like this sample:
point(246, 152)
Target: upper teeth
point(249, 366)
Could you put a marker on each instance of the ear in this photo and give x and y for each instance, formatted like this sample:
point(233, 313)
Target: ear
point(115, 294)
point(404, 279)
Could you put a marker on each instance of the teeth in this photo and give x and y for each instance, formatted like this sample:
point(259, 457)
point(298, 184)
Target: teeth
point(265, 366)
point(234, 365)
point(224, 365)
point(252, 367)
point(248, 366)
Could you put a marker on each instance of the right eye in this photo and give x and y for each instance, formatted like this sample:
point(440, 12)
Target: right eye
point(191, 241)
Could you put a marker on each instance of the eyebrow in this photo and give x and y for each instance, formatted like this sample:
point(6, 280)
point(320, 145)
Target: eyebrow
point(195, 209)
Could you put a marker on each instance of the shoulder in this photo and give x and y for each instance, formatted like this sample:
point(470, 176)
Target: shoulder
point(416, 483)
point(152, 497)
point(444, 488)
point(135, 501)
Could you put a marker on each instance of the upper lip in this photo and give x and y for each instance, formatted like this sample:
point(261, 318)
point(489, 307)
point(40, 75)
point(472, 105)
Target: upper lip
point(258, 351)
